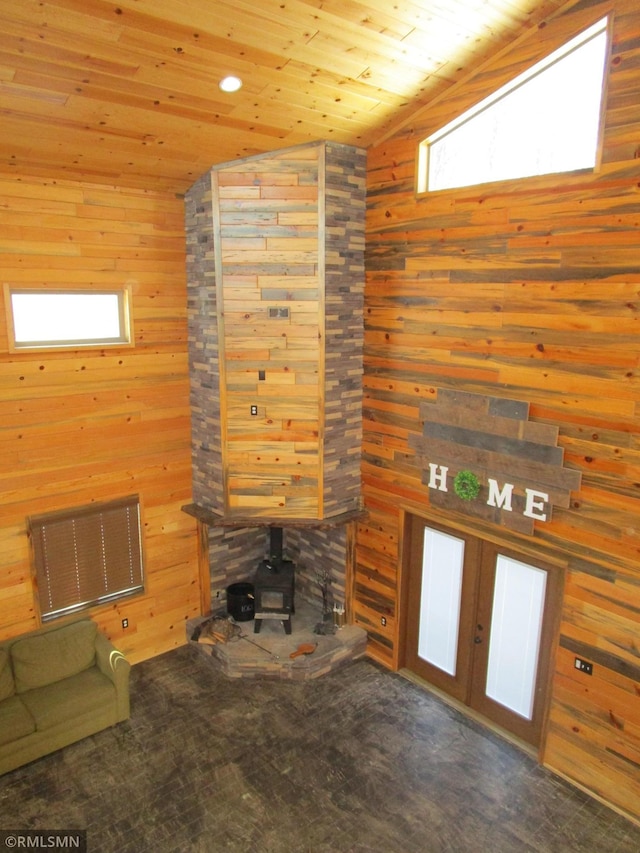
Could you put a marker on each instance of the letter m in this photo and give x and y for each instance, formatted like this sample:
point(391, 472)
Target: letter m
point(500, 499)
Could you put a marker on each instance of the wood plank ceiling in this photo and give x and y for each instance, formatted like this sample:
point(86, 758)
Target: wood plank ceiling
point(126, 92)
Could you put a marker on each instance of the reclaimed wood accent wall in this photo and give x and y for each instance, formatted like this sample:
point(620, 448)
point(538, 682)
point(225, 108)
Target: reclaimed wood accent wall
point(276, 284)
point(96, 424)
point(234, 554)
point(230, 553)
point(344, 223)
point(491, 440)
point(268, 239)
point(319, 554)
point(275, 263)
point(524, 290)
point(204, 345)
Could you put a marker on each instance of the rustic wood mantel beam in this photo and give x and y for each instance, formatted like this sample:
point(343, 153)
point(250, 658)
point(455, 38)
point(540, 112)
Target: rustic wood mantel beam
point(212, 519)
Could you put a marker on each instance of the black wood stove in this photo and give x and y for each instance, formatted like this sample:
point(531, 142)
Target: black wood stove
point(274, 585)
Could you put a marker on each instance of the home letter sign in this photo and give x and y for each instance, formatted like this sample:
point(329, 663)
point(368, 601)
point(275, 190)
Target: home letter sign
point(482, 456)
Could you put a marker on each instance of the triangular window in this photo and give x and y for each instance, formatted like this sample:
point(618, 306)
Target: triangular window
point(546, 120)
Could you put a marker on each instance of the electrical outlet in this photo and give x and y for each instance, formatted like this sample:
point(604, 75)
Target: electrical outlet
point(383, 621)
point(254, 410)
point(584, 666)
point(125, 623)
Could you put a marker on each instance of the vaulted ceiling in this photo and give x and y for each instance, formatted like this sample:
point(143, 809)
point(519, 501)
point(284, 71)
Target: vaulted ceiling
point(126, 92)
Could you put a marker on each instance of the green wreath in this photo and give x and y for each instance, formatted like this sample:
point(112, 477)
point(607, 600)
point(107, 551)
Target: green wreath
point(466, 485)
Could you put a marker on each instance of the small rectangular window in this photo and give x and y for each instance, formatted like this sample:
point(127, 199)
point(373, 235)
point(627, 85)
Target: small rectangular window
point(86, 556)
point(42, 319)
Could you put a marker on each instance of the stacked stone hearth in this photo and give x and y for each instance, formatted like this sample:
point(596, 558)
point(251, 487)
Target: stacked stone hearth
point(268, 654)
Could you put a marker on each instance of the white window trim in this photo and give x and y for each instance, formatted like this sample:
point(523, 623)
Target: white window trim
point(125, 339)
point(603, 23)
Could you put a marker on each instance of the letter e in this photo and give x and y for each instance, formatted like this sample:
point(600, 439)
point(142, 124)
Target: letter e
point(534, 508)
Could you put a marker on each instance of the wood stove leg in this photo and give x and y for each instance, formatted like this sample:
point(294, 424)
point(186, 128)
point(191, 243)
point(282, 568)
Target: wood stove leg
point(257, 624)
point(287, 625)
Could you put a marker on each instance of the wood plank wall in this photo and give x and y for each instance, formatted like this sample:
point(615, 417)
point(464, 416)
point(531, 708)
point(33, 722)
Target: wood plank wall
point(283, 233)
point(268, 244)
point(204, 348)
point(92, 425)
point(344, 192)
point(529, 291)
point(276, 285)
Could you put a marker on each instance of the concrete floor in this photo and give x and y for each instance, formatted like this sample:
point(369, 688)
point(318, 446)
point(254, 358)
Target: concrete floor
point(358, 761)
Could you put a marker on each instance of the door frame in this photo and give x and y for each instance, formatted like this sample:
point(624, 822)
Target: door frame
point(457, 686)
point(410, 519)
point(528, 730)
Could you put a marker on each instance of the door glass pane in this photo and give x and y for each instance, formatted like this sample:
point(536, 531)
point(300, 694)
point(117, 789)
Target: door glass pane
point(442, 562)
point(516, 625)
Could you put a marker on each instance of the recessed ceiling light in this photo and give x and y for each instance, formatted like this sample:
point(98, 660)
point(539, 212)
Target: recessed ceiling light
point(230, 84)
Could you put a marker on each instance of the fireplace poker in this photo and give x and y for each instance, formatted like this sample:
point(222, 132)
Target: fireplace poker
point(258, 646)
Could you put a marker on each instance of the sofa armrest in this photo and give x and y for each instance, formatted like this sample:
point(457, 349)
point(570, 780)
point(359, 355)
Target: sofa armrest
point(116, 668)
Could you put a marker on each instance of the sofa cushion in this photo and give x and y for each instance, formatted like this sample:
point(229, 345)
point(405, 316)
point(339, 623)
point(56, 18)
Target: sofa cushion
point(7, 686)
point(15, 720)
point(43, 659)
point(85, 693)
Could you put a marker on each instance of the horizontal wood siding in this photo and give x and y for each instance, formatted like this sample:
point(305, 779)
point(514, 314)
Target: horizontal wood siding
point(345, 187)
point(320, 558)
point(276, 290)
point(204, 363)
point(267, 224)
point(97, 424)
point(526, 291)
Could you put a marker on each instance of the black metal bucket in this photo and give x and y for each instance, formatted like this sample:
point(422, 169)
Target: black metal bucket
point(240, 601)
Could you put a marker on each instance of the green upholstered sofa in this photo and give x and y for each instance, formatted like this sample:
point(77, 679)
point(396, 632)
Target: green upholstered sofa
point(58, 684)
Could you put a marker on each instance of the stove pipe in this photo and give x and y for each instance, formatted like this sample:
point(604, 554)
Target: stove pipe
point(275, 549)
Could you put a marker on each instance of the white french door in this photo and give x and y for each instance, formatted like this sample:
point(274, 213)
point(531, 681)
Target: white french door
point(515, 631)
point(480, 623)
